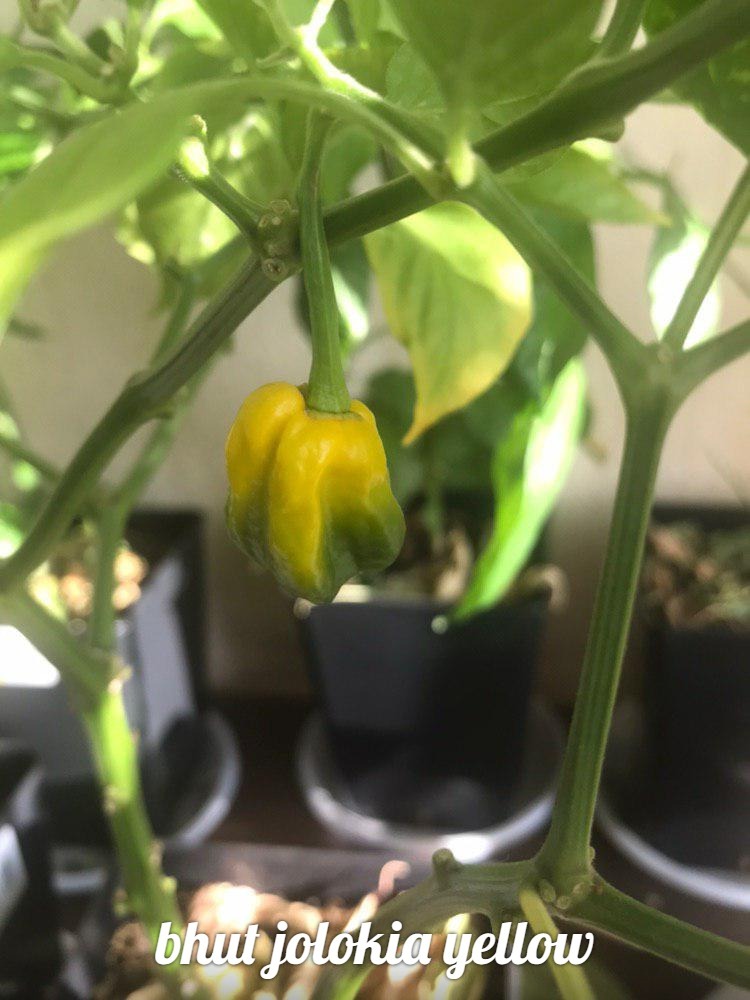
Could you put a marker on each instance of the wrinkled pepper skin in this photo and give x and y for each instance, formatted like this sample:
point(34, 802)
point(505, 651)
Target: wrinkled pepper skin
point(309, 493)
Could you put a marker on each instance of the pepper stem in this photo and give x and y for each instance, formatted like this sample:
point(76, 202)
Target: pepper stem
point(327, 390)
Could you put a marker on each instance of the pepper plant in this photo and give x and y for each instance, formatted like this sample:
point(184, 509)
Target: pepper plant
point(196, 118)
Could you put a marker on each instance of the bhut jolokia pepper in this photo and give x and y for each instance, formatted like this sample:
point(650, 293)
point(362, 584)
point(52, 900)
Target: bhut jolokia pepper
point(309, 492)
point(310, 496)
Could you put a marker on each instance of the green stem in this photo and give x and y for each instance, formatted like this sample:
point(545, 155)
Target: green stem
point(16, 449)
point(622, 28)
point(640, 926)
point(79, 78)
point(720, 242)
point(149, 893)
point(565, 854)
point(570, 979)
point(327, 390)
point(699, 363)
point(194, 167)
point(491, 890)
point(609, 89)
point(110, 526)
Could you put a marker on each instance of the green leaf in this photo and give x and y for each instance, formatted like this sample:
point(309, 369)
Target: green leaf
point(184, 15)
point(494, 49)
point(674, 256)
point(458, 296)
point(390, 395)
point(584, 183)
point(89, 175)
point(245, 26)
point(370, 17)
point(528, 470)
point(720, 87)
point(410, 83)
point(556, 334)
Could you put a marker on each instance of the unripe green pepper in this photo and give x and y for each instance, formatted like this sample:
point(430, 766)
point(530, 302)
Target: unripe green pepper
point(310, 496)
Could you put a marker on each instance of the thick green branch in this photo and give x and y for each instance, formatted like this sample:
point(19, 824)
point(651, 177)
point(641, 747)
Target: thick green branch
point(638, 925)
point(565, 854)
point(488, 889)
point(606, 90)
point(720, 242)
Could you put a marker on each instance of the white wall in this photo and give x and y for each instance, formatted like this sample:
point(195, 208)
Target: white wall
point(97, 304)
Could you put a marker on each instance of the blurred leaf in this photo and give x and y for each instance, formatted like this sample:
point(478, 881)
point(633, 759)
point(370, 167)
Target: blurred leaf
point(496, 49)
point(674, 256)
point(528, 470)
point(347, 153)
point(720, 87)
point(584, 184)
point(192, 18)
point(19, 151)
point(244, 25)
point(86, 177)
point(410, 83)
point(391, 396)
point(457, 295)
point(369, 17)
point(555, 335)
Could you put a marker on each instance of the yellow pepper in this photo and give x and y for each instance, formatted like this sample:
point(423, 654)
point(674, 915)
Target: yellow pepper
point(310, 497)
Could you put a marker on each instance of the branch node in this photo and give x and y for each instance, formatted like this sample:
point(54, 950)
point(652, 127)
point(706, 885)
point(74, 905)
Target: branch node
point(444, 864)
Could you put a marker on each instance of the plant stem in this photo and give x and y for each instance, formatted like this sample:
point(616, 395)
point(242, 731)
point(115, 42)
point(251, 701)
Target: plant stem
point(699, 363)
point(149, 894)
point(78, 77)
point(720, 242)
point(110, 526)
point(570, 979)
point(194, 167)
point(605, 90)
point(327, 390)
point(564, 856)
point(622, 28)
point(16, 449)
point(638, 925)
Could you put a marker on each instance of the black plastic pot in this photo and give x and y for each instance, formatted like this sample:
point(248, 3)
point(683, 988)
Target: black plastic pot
point(678, 775)
point(420, 720)
point(698, 690)
point(29, 945)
